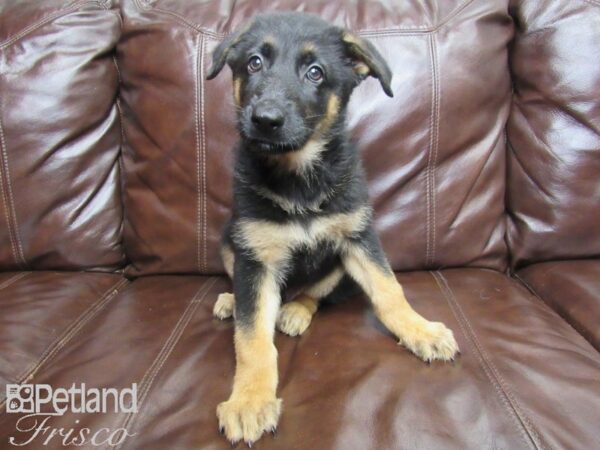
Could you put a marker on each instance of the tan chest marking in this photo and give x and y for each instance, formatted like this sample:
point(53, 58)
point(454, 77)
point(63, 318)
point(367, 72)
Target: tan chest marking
point(273, 243)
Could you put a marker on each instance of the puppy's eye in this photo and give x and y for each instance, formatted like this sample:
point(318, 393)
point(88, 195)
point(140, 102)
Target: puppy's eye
point(254, 64)
point(315, 74)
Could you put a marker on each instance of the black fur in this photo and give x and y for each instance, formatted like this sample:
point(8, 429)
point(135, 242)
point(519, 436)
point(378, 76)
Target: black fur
point(335, 183)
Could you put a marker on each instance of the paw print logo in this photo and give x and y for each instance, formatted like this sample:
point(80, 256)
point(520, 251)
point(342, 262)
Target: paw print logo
point(19, 398)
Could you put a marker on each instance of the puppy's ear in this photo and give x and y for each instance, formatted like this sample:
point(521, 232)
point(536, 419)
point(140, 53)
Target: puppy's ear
point(367, 60)
point(220, 54)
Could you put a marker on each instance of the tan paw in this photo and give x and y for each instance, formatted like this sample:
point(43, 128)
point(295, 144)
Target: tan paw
point(247, 419)
point(293, 319)
point(224, 305)
point(430, 341)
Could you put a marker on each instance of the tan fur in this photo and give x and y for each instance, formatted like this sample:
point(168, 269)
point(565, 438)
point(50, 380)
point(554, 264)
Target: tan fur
point(308, 48)
point(224, 306)
point(237, 91)
point(253, 407)
point(303, 159)
point(427, 340)
point(362, 69)
point(300, 160)
point(228, 259)
point(269, 40)
point(295, 317)
point(289, 205)
point(350, 38)
point(273, 243)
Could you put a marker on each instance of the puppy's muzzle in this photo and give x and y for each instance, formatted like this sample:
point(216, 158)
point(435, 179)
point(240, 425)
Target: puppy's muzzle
point(267, 117)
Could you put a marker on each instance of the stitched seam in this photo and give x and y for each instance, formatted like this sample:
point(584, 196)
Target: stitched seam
point(197, 135)
point(69, 333)
point(9, 210)
point(12, 279)
point(435, 132)
point(432, 155)
point(57, 15)
point(423, 29)
point(541, 300)
point(166, 350)
point(7, 214)
point(506, 395)
point(203, 142)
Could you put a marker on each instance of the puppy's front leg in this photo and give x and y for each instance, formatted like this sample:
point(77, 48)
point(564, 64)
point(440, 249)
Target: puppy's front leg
point(365, 261)
point(252, 407)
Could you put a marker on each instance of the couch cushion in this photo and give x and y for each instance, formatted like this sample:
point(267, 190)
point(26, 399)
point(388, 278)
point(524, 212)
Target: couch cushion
point(345, 383)
point(554, 132)
point(434, 154)
point(572, 289)
point(60, 203)
point(41, 312)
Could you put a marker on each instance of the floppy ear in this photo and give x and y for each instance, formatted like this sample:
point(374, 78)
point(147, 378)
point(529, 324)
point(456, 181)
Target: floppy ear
point(367, 60)
point(220, 54)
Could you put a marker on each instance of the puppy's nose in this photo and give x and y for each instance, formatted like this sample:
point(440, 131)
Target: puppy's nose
point(267, 117)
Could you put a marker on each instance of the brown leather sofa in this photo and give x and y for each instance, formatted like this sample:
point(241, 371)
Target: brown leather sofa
point(484, 172)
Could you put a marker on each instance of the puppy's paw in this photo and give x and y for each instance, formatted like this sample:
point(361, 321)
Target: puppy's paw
point(248, 418)
point(293, 319)
point(224, 306)
point(430, 341)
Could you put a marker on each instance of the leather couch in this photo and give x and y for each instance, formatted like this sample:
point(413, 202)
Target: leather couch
point(484, 172)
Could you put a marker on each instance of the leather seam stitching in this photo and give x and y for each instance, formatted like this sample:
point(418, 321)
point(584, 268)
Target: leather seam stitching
point(540, 299)
point(60, 342)
point(155, 367)
point(493, 374)
point(10, 210)
point(197, 148)
point(366, 32)
point(203, 143)
point(57, 15)
point(13, 279)
point(432, 154)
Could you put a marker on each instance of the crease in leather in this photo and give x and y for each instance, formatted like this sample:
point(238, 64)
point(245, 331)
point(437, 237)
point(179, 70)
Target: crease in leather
point(68, 334)
point(13, 279)
point(147, 6)
point(147, 380)
point(533, 292)
point(507, 398)
point(12, 224)
point(432, 152)
point(460, 207)
point(57, 15)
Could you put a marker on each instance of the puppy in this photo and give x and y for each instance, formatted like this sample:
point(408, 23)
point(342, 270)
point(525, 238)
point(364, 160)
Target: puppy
point(301, 213)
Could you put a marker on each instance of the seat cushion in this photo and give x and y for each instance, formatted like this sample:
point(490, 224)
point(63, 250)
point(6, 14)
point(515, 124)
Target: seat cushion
point(41, 312)
point(553, 188)
point(434, 154)
point(60, 136)
point(345, 383)
point(572, 289)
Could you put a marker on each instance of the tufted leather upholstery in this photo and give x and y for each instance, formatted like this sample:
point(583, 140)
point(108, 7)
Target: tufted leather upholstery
point(115, 156)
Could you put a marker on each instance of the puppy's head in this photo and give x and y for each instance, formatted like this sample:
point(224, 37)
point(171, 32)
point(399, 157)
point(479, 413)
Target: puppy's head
point(292, 76)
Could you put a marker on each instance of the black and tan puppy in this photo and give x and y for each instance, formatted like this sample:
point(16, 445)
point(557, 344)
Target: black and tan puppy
point(301, 213)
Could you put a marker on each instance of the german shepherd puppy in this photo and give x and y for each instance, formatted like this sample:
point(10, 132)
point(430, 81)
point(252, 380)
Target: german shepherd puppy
point(301, 213)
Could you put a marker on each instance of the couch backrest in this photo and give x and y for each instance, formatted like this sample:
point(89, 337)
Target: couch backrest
point(434, 154)
point(554, 132)
point(60, 204)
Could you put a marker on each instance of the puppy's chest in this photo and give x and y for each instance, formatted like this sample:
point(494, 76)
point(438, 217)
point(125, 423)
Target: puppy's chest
point(274, 243)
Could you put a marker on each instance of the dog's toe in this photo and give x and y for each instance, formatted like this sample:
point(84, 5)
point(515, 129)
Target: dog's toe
point(293, 319)
point(431, 341)
point(246, 419)
point(224, 306)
